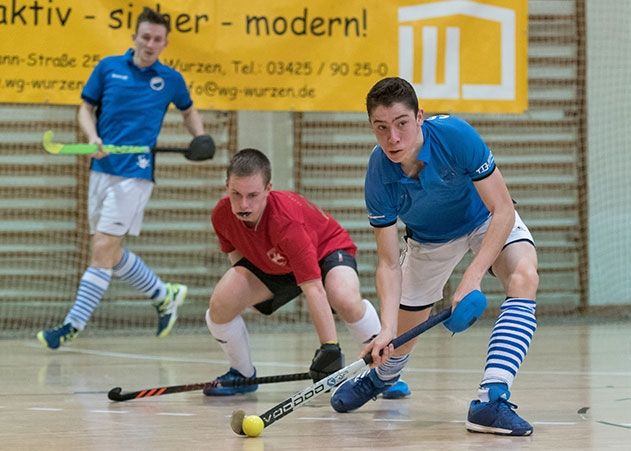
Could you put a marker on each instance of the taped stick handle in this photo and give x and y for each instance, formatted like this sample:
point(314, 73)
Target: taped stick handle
point(201, 148)
point(416, 331)
point(117, 394)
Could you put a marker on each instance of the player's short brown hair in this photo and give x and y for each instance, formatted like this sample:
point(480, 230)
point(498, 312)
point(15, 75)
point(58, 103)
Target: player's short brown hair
point(154, 17)
point(389, 91)
point(247, 162)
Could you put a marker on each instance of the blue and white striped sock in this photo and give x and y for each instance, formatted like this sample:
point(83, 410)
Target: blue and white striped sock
point(93, 285)
point(135, 272)
point(509, 342)
point(392, 368)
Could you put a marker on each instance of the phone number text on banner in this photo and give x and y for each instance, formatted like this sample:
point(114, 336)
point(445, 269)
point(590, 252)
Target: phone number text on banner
point(321, 55)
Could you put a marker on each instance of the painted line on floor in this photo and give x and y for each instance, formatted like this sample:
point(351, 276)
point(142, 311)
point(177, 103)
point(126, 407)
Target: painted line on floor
point(618, 425)
point(379, 420)
point(555, 423)
point(531, 372)
point(174, 414)
point(408, 420)
point(394, 420)
point(317, 418)
point(127, 355)
point(383, 420)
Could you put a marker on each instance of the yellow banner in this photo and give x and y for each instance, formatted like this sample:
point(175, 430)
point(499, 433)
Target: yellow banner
point(280, 55)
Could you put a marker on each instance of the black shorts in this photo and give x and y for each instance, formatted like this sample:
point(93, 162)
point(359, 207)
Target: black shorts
point(284, 286)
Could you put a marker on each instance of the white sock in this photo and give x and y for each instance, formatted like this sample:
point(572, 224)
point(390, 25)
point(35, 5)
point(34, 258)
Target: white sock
point(367, 327)
point(234, 340)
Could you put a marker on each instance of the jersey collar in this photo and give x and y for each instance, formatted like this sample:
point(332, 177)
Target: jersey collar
point(425, 154)
point(156, 67)
point(392, 172)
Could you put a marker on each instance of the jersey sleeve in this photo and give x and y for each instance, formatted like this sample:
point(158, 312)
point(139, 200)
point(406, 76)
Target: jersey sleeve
point(380, 201)
point(470, 151)
point(218, 225)
point(93, 89)
point(182, 97)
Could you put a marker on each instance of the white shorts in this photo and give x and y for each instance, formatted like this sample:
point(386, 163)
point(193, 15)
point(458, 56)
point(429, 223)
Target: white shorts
point(426, 267)
point(116, 205)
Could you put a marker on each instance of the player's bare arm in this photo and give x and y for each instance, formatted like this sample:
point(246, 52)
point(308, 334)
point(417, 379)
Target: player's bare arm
point(234, 257)
point(193, 121)
point(388, 284)
point(496, 197)
point(87, 122)
point(320, 310)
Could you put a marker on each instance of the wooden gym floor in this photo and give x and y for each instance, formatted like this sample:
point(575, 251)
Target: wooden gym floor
point(575, 388)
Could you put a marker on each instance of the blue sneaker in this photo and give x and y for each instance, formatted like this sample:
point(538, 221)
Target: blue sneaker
point(167, 309)
point(397, 391)
point(356, 392)
point(53, 338)
point(231, 375)
point(496, 417)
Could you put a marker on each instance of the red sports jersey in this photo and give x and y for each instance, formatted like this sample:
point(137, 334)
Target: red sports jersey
point(292, 236)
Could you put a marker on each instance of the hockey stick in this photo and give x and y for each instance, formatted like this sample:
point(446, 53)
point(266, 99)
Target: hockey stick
point(85, 149)
point(468, 310)
point(201, 148)
point(299, 399)
point(117, 394)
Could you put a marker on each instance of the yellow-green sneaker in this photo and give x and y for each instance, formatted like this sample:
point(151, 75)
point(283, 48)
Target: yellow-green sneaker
point(167, 309)
point(55, 337)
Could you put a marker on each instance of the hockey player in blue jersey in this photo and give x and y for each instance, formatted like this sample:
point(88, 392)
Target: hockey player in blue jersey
point(438, 177)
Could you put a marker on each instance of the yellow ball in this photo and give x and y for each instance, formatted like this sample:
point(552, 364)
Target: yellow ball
point(253, 425)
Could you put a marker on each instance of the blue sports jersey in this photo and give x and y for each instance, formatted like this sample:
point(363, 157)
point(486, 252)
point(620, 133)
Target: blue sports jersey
point(441, 204)
point(131, 103)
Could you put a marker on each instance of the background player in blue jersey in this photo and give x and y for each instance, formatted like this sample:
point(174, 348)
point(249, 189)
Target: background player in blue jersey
point(439, 178)
point(124, 103)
